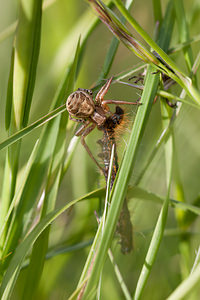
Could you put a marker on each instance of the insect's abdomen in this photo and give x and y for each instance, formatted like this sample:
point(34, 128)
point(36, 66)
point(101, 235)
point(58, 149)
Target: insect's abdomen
point(80, 104)
point(124, 226)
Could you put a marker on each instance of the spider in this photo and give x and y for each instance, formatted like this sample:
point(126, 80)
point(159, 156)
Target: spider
point(91, 114)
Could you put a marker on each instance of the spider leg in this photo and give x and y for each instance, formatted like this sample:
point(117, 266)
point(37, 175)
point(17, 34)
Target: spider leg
point(117, 102)
point(102, 92)
point(83, 128)
point(83, 132)
point(104, 103)
point(79, 120)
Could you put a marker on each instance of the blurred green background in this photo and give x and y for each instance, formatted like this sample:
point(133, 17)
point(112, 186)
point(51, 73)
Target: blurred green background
point(58, 43)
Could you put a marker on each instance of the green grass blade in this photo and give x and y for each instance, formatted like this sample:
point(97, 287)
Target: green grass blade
point(122, 182)
point(25, 246)
point(180, 77)
point(119, 277)
point(23, 132)
point(157, 9)
point(20, 88)
point(141, 194)
point(21, 187)
point(39, 171)
point(187, 286)
point(9, 94)
point(26, 52)
point(53, 181)
point(183, 32)
point(153, 249)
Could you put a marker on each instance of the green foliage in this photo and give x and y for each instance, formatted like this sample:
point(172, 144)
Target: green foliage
point(51, 245)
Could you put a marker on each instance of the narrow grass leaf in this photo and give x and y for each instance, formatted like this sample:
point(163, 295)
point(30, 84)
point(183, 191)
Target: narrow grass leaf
point(176, 74)
point(26, 54)
point(141, 194)
point(122, 182)
point(39, 171)
point(22, 250)
point(152, 251)
point(28, 129)
point(53, 181)
point(119, 277)
point(157, 10)
point(21, 187)
point(187, 286)
point(183, 32)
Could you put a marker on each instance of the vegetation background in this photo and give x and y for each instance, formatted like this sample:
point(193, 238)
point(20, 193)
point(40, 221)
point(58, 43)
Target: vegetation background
point(71, 234)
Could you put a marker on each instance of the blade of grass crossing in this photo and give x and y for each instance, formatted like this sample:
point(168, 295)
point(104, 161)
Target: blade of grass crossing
point(183, 80)
point(153, 247)
point(157, 9)
point(187, 286)
point(122, 182)
point(28, 129)
point(184, 244)
point(184, 33)
point(26, 54)
point(22, 250)
point(163, 39)
point(21, 186)
point(54, 176)
point(20, 88)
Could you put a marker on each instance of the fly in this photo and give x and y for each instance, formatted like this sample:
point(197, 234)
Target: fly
point(91, 114)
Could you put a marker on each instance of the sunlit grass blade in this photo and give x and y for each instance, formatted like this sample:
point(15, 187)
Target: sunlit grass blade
point(187, 286)
point(25, 246)
point(141, 194)
point(10, 30)
point(119, 277)
point(122, 182)
point(94, 248)
point(157, 9)
point(20, 89)
point(153, 249)
point(112, 50)
point(38, 173)
point(164, 64)
point(28, 129)
point(184, 32)
point(51, 189)
point(21, 186)
point(26, 52)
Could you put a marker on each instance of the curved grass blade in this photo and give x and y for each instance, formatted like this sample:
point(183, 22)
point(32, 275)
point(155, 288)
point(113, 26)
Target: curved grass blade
point(122, 182)
point(186, 286)
point(21, 186)
point(39, 172)
point(25, 246)
point(163, 62)
point(23, 132)
point(20, 90)
point(40, 247)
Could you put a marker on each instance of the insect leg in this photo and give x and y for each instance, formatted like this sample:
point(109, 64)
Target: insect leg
point(83, 132)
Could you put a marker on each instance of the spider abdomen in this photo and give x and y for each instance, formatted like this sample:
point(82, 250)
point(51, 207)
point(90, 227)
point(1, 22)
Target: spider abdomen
point(80, 104)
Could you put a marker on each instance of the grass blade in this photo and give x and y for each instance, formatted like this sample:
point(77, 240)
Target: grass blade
point(122, 182)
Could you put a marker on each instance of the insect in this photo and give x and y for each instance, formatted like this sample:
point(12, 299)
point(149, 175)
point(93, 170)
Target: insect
point(91, 114)
point(124, 225)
